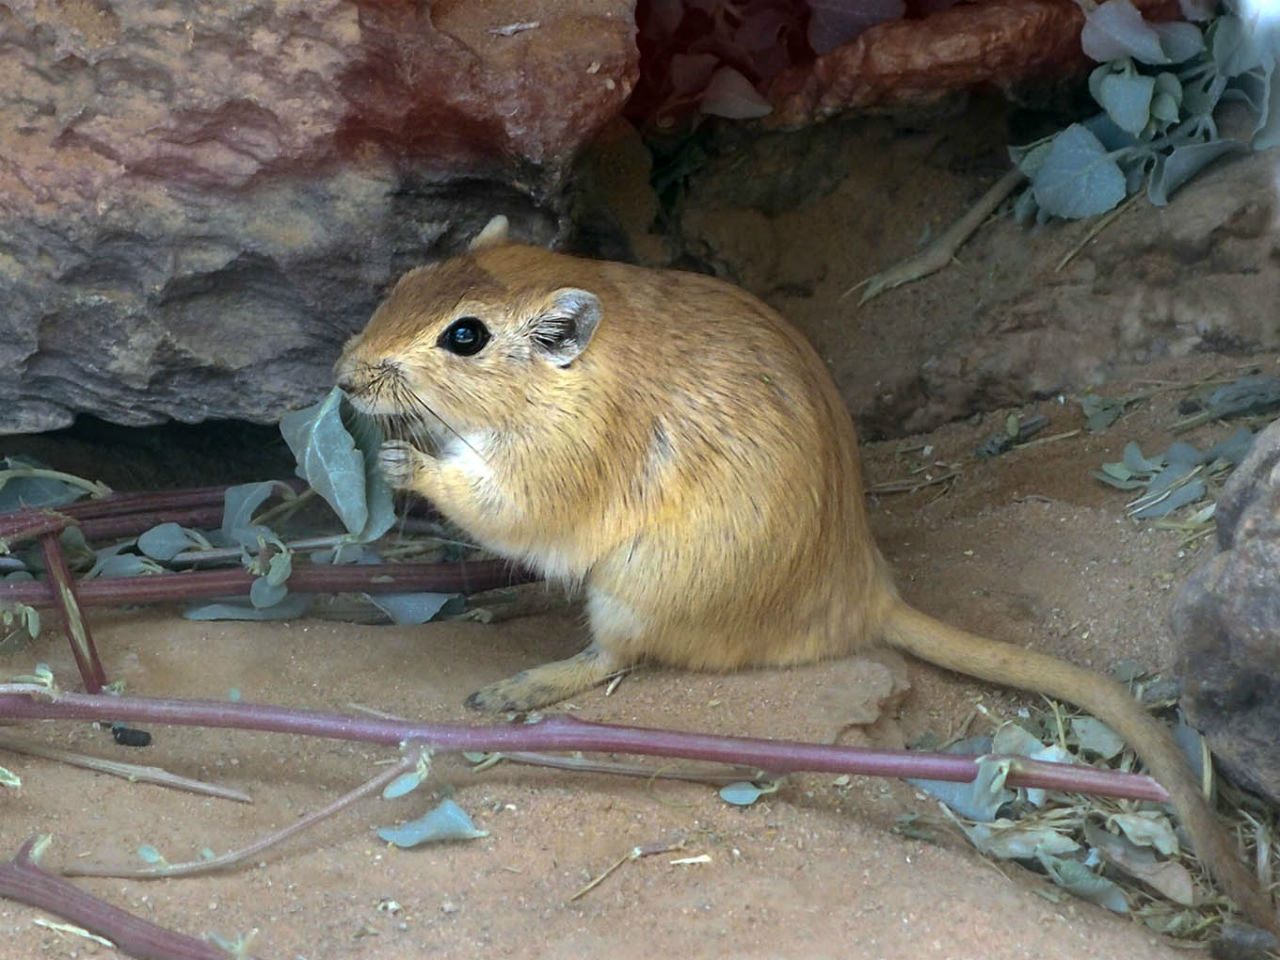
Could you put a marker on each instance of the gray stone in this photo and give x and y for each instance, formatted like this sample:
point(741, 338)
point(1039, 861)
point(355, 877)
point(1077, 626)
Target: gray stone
point(1226, 619)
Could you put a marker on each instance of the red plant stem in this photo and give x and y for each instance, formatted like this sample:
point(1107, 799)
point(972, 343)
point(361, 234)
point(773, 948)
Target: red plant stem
point(363, 578)
point(30, 523)
point(132, 524)
point(21, 879)
point(149, 502)
point(123, 514)
point(63, 595)
point(567, 733)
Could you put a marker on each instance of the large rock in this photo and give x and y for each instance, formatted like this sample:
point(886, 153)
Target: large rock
point(200, 201)
point(1227, 621)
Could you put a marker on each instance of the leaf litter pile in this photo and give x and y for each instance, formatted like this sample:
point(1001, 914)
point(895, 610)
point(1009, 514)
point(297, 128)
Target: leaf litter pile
point(1124, 855)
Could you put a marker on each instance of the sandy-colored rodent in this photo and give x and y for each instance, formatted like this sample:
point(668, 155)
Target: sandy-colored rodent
point(676, 447)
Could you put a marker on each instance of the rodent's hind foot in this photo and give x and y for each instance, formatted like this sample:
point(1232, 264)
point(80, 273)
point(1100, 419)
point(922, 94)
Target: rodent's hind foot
point(539, 686)
point(399, 461)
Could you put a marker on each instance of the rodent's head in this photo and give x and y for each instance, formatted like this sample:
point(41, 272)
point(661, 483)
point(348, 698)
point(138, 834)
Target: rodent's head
point(474, 342)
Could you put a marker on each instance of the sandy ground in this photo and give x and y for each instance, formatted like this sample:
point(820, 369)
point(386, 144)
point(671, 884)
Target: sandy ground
point(1025, 547)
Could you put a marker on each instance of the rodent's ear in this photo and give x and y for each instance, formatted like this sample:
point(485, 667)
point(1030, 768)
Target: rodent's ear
point(565, 326)
point(494, 234)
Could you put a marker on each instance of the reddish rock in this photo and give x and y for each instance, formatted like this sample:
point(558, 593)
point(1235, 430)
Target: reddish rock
point(1001, 44)
point(199, 203)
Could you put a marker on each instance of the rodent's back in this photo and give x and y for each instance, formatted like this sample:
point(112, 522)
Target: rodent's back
point(747, 529)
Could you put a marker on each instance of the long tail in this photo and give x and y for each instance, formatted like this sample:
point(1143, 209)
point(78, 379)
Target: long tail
point(922, 636)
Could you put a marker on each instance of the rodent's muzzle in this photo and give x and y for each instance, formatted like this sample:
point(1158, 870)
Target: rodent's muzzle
point(369, 386)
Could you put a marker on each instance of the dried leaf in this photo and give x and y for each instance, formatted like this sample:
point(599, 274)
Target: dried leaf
point(1169, 877)
point(1015, 839)
point(730, 94)
point(1148, 828)
point(1096, 737)
point(1076, 878)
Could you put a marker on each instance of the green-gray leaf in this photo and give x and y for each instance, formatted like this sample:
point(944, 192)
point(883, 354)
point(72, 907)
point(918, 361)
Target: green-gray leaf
point(1127, 100)
point(328, 459)
point(290, 608)
point(741, 794)
point(239, 504)
point(1179, 166)
point(1200, 95)
point(18, 491)
point(1267, 133)
point(263, 593)
point(409, 608)
point(1078, 178)
point(1116, 29)
point(1183, 495)
point(111, 563)
point(166, 540)
point(1014, 840)
point(378, 493)
point(1180, 40)
point(446, 822)
point(150, 854)
point(407, 782)
point(1234, 48)
point(1135, 461)
point(978, 799)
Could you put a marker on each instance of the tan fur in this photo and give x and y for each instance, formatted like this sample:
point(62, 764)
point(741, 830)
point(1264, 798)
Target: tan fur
point(694, 468)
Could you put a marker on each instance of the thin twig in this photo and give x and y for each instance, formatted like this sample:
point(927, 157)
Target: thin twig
point(1093, 232)
point(1054, 438)
point(196, 867)
point(635, 853)
point(941, 251)
point(129, 771)
point(910, 485)
point(715, 774)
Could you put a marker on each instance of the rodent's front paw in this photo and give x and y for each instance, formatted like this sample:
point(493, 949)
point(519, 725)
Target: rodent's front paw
point(513, 695)
point(399, 463)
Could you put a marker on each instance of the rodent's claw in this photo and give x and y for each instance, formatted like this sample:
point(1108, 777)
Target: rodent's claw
point(398, 461)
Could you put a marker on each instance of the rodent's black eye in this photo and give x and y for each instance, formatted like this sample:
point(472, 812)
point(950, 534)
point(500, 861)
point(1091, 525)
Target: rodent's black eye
point(466, 336)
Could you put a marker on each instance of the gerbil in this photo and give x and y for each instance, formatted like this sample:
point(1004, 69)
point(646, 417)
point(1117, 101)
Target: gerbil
point(678, 448)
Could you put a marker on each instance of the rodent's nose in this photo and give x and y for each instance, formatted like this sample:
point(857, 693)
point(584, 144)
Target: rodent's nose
point(344, 375)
